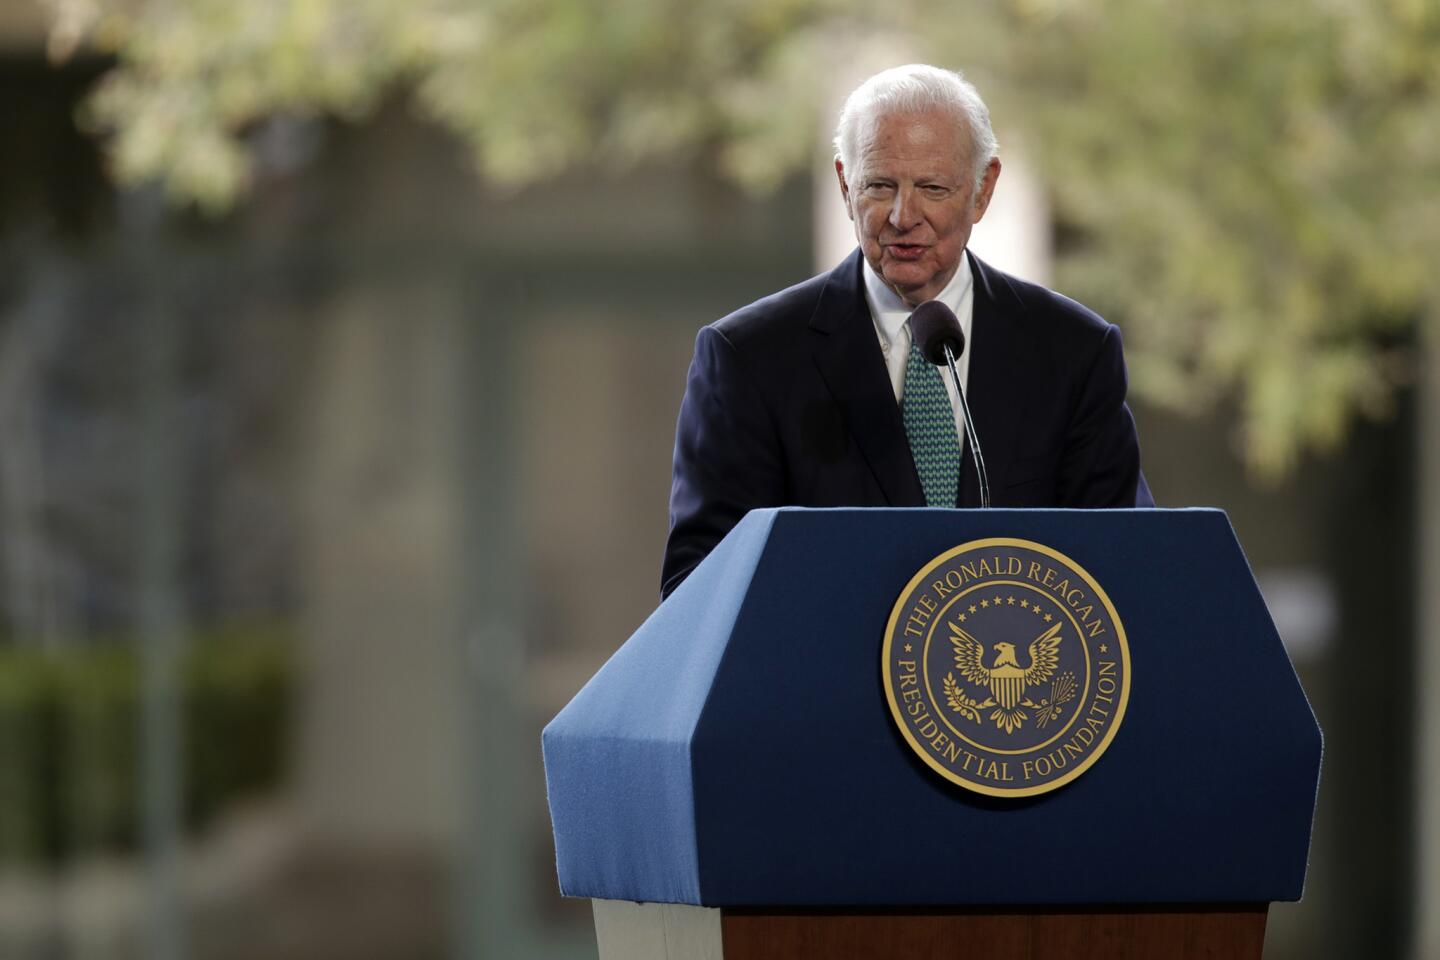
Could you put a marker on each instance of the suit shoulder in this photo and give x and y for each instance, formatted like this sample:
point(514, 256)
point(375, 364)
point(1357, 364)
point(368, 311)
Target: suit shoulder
point(780, 316)
point(1060, 308)
point(1067, 323)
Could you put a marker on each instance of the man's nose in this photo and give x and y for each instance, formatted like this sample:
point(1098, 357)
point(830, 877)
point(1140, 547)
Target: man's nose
point(904, 210)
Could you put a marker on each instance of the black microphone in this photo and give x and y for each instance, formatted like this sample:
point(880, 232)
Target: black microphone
point(936, 331)
point(934, 328)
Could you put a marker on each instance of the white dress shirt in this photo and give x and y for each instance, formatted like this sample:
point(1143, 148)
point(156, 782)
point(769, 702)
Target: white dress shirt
point(891, 316)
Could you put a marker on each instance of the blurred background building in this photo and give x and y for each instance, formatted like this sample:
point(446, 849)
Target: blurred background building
point(330, 469)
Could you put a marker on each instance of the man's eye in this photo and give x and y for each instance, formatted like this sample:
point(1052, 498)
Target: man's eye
point(879, 189)
point(935, 190)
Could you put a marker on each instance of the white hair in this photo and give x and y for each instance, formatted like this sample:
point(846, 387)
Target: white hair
point(915, 88)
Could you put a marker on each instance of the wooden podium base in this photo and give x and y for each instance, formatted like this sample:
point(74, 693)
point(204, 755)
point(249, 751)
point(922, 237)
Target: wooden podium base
point(1181, 932)
point(1231, 932)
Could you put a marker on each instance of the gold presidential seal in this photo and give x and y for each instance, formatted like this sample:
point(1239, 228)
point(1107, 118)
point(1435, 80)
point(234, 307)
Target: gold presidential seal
point(1006, 667)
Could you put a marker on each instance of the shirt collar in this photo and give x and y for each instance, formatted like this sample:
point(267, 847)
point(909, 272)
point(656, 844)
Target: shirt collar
point(890, 312)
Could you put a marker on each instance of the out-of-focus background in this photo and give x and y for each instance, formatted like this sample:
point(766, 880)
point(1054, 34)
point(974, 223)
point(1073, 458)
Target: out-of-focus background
point(340, 350)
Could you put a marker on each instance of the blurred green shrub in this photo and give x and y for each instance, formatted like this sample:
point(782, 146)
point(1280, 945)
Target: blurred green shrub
point(70, 761)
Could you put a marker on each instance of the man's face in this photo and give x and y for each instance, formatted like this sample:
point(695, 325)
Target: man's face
point(913, 200)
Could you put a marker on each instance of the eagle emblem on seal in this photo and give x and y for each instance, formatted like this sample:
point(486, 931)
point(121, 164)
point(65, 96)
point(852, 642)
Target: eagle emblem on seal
point(1006, 680)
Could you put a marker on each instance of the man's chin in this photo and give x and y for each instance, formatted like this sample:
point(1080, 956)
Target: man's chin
point(908, 283)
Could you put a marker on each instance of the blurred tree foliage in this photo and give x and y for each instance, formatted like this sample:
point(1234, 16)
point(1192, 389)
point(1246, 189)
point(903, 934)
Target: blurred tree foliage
point(1253, 190)
point(533, 86)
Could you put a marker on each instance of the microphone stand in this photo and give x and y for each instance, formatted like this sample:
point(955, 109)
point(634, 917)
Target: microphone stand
point(970, 431)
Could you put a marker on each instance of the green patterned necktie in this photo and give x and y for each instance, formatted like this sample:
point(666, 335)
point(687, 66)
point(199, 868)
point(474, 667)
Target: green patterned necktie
point(930, 425)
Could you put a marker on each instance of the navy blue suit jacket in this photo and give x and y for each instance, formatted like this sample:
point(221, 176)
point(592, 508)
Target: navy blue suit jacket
point(789, 402)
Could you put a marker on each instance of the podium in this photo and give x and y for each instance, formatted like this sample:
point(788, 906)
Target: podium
point(733, 781)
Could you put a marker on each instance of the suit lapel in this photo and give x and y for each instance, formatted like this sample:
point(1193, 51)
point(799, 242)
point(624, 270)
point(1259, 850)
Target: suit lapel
point(849, 359)
point(996, 393)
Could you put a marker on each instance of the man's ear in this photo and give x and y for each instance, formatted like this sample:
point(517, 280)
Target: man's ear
point(987, 187)
point(844, 188)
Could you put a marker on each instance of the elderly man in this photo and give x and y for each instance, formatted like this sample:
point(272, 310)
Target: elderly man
point(816, 396)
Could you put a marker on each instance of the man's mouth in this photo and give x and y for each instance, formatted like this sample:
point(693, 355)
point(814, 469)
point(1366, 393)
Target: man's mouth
point(906, 251)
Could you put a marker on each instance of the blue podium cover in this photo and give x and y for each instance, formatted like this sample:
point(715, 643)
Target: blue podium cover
point(739, 750)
